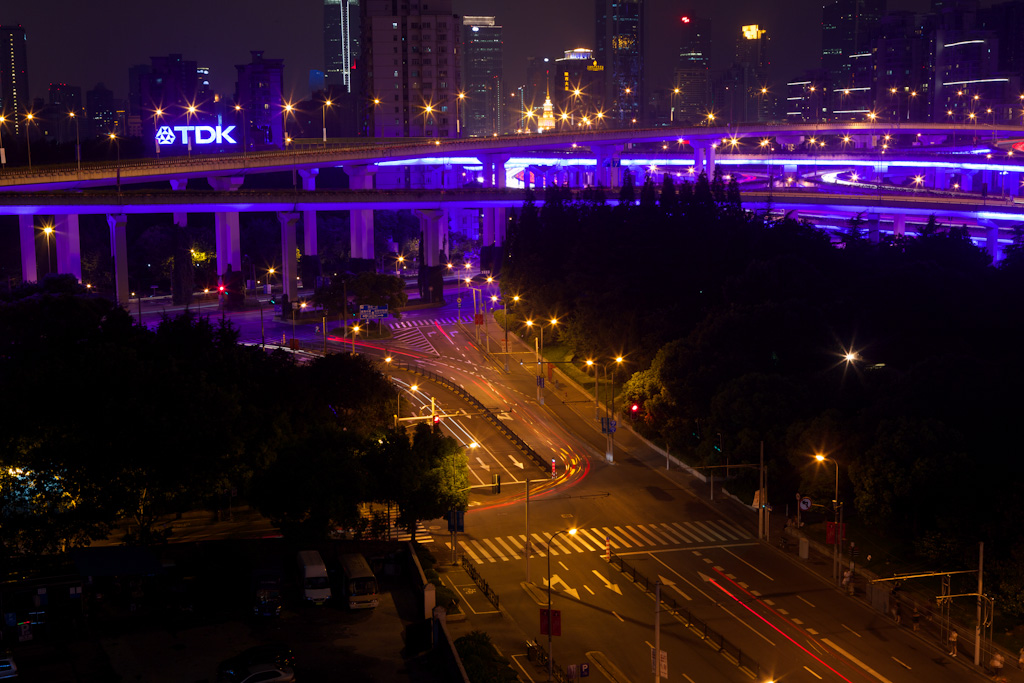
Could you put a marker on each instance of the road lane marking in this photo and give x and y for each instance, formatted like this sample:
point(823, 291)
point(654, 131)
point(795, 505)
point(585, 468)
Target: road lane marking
point(558, 542)
point(856, 661)
point(615, 536)
point(648, 536)
point(497, 551)
point(717, 524)
point(588, 589)
point(563, 565)
point(812, 673)
point(694, 529)
point(901, 663)
point(515, 658)
point(672, 533)
point(597, 542)
point(805, 601)
point(748, 564)
point(629, 536)
point(517, 544)
point(701, 525)
point(851, 630)
point(797, 621)
point(575, 541)
point(812, 631)
point(618, 617)
point(469, 551)
point(507, 547)
point(482, 551)
point(735, 529)
point(687, 533)
point(542, 543)
point(653, 530)
point(689, 679)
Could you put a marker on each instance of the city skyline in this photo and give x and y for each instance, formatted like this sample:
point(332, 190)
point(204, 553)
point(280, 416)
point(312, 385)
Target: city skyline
point(198, 32)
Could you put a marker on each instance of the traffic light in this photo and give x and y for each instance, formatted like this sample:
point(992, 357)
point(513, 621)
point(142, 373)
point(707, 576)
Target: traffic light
point(437, 419)
point(220, 288)
point(634, 410)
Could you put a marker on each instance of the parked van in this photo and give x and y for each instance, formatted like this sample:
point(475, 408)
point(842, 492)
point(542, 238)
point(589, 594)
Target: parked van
point(360, 583)
point(313, 574)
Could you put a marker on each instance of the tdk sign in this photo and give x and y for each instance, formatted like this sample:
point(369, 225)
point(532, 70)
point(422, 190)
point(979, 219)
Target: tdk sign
point(202, 135)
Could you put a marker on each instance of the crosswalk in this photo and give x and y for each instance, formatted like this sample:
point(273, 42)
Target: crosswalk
point(595, 539)
point(430, 322)
point(413, 338)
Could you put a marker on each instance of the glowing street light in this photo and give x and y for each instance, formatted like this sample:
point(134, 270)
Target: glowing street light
point(836, 509)
point(47, 231)
point(323, 110)
point(551, 659)
point(28, 145)
point(428, 109)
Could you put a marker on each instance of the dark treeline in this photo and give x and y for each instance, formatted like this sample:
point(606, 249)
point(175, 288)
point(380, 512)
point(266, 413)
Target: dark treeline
point(735, 327)
point(104, 422)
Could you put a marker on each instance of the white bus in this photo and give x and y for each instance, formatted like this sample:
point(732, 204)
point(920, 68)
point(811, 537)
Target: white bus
point(360, 583)
point(316, 587)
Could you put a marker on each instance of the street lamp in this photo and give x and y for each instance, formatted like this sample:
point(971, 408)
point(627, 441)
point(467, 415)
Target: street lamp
point(28, 144)
point(458, 119)
point(355, 331)
point(78, 142)
point(3, 154)
point(551, 658)
point(540, 357)
point(515, 300)
point(47, 230)
point(672, 109)
point(190, 111)
point(323, 110)
point(117, 143)
point(287, 109)
point(609, 408)
point(244, 125)
point(398, 262)
point(835, 508)
point(427, 110)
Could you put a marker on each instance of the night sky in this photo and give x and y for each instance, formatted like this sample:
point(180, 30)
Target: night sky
point(84, 43)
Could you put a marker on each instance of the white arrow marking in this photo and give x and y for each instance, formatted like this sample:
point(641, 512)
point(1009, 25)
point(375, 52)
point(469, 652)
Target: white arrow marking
point(672, 584)
point(555, 578)
point(486, 467)
point(515, 462)
point(608, 584)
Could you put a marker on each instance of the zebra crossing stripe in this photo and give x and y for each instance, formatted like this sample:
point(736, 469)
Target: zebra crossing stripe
point(739, 531)
point(612, 534)
point(597, 543)
point(497, 551)
point(557, 542)
point(672, 533)
point(541, 545)
point(700, 530)
point(718, 526)
point(483, 551)
point(602, 537)
point(631, 535)
point(578, 540)
point(469, 551)
point(518, 544)
point(653, 530)
point(507, 547)
point(515, 542)
point(638, 532)
point(711, 530)
point(686, 533)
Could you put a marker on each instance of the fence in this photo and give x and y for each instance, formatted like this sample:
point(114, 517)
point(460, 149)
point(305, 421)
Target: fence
point(706, 633)
point(479, 580)
point(461, 392)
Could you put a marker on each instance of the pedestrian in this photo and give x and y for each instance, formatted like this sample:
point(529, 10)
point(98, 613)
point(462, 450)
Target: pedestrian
point(916, 618)
point(1020, 660)
point(896, 615)
point(952, 642)
point(997, 663)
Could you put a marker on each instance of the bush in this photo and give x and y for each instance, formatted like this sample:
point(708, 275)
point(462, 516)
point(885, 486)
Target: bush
point(483, 663)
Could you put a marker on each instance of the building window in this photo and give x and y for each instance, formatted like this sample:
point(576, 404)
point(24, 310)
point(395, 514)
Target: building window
point(394, 24)
point(396, 73)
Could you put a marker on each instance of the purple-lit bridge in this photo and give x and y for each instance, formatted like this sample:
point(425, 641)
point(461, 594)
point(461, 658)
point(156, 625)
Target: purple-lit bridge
point(893, 177)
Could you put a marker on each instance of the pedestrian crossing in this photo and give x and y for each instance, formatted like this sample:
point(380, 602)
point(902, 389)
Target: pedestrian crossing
point(413, 338)
point(430, 322)
point(596, 539)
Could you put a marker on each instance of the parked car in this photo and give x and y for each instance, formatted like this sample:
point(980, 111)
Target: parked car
point(273, 655)
point(267, 594)
point(8, 669)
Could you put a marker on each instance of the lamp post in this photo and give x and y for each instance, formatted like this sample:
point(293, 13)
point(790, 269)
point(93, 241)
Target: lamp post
point(458, 119)
point(287, 109)
point(398, 262)
point(47, 230)
point(78, 143)
point(323, 110)
point(609, 407)
point(355, 331)
point(427, 111)
point(117, 143)
point(245, 124)
point(551, 658)
point(28, 144)
point(515, 300)
point(835, 508)
point(540, 357)
point(672, 109)
point(3, 153)
point(190, 111)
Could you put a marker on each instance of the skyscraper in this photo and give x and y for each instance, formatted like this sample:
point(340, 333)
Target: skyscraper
point(482, 74)
point(14, 99)
point(412, 56)
point(101, 113)
point(739, 93)
point(577, 85)
point(343, 43)
point(847, 29)
point(258, 93)
point(693, 72)
point(619, 45)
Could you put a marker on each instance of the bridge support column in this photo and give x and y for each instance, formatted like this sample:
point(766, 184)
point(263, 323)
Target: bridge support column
point(873, 230)
point(494, 169)
point(119, 253)
point(229, 250)
point(361, 177)
point(69, 246)
point(27, 236)
point(433, 226)
point(899, 225)
point(289, 266)
point(179, 218)
point(1013, 183)
point(309, 241)
point(991, 239)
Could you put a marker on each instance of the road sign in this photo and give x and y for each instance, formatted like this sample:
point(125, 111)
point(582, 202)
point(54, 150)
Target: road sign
point(570, 671)
point(540, 381)
point(830, 532)
point(805, 503)
point(613, 425)
point(584, 670)
point(456, 520)
point(662, 663)
point(556, 622)
point(371, 312)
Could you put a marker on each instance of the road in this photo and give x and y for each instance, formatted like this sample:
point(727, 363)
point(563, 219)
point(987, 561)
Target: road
point(789, 623)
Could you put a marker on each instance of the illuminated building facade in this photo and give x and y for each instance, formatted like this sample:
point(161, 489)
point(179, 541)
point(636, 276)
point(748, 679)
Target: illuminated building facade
point(693, 72)
point(414, 63)
point(258, 91)
point(577, 86)
point(848, 28)
point(342, 44)
point(14, 99)
point(619, 46)
point(482, 56)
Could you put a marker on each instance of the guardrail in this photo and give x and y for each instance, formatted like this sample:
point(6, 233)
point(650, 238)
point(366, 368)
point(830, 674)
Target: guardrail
point(479, 580)
point(705, 632)
point(461, 392)
point(536, 654)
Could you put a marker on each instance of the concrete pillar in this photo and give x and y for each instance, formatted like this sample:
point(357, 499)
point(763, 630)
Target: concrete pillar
point(430, 225)
point(486, 172)
point(709, 156)
point(360, 177)
point(873, 231)
point(899, 225)
point(27, 236)
point(309, 244)
point(289, 265)
point(991, 239)
point(229, 251)
point(119, 254)
point(500, 223)
point(180, 218)
point(487, 231)
point(1013, 183)
point(69, 246)
point(941, 179)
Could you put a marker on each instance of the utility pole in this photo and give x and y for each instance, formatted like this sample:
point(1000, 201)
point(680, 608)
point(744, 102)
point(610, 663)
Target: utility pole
point(528, 531)
point(657, 632)
point(761, 532)
point(977, 628)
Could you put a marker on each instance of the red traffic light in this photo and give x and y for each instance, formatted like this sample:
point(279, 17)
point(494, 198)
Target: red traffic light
point(220, 288)
point(634, 407)
point(437, 418)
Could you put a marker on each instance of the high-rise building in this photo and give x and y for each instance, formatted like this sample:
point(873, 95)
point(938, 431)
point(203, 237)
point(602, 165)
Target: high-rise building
point(848, 28)
point(258, 93)
point(343, 44)
point(619, 46)
point(101, 111)
point(64, 100)
point(14, 98)
point(167, 92)
point(740, 94)
point(412, 56)
point(482, 74)
point(690, 99)
point(540, 77)
point(204, 91)
point(577, 87)
point(135, 75)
